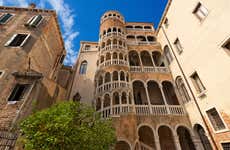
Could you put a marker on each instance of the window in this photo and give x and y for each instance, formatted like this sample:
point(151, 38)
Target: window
point(1, 73)
point(87, 47)
point(166, 22)
point(17, 40)
point(197, 83)
point(226, 46)
point(178, 46)
point(226, 146)
point(215, 119)
point(168, 55)
point(200, 11)
point(182, 89)
point(62, 59)
point(19, 92)
point(5, 18)
point(34, 21)
point(83, 67)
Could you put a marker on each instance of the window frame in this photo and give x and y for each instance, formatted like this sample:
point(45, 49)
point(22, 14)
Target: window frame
point(213, 129)
point(83, 72)
point(198, 9)
point(199, 90)
point(178, 46)
point(169, 53)
point(11, 39)
point(29, 23)
point(224, 142)
point(7, 19)
point(2, 73)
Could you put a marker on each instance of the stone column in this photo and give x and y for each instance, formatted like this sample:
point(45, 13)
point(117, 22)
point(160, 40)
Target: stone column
point(102, 106)
point(111, 104)
point(177, 142)
point(140, 61)
point(157, 142)
point(120, 102)
point(154, 65)
point(147, 94)
point(164, 98)
point(197, 143)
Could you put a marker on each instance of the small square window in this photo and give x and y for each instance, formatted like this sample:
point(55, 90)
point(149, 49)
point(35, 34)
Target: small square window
point(5, 18)
point(34, 21)
point(215, 119)
point(178, 46)
point(87, 47)
point(226, 146)
point(17, 40)
point(226, 46)
point(19, 92)
point(197, 83)
point(200, 11)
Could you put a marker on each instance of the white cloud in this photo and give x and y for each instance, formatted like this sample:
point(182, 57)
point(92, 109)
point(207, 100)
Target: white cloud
point(67, 19)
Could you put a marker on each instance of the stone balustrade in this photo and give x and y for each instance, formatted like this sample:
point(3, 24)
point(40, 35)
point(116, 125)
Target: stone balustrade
point(149, 69)
point(113, 47)
point(107, 87)
point(113, 62)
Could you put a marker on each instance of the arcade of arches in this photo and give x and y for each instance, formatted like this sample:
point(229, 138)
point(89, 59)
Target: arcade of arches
point(167, 138)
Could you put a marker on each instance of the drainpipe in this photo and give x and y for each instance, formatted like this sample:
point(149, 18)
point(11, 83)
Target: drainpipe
point(190, 89)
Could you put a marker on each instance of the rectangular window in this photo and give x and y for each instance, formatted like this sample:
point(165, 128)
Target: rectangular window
point(215, 119)
point(200, 11)
point(17, 40)
point(34, 21)
point(226, 146)
point(197, 83)
point(87, 47)
point(5, 18)
point(19, 92)
point(178, 46)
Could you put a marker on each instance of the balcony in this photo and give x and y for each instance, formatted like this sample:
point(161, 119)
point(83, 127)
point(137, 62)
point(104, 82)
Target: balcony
point(143, 110)
point(113, 34)
point(107, 87)
point(113, 62)
point(108, 48)
point(149, 69)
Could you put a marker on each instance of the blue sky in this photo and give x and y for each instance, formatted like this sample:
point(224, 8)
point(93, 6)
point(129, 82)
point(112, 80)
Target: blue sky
point(80, 19)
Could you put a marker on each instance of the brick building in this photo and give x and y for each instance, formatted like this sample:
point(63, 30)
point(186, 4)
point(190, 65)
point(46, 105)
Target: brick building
point(32, 75)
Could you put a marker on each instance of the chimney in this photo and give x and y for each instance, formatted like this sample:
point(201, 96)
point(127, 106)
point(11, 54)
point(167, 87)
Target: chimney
point(32, 5)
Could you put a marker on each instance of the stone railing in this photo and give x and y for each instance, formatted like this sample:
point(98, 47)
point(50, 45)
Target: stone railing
point(143, 110)
point(130, 42)
point(113, 34)
point(144, 146)
point(113, 62)
point(106, 87)
point(113, 47)
point(146, 69)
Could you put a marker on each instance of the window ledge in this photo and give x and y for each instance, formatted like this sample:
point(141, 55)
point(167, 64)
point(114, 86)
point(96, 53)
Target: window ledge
point(202, 94)
point(11, 102)
point(221, 131)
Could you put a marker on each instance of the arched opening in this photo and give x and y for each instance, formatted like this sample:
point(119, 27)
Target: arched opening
point(155, 95)
point(138, 27)
point(158, 59)
point(115, 42)
point(134, 58)
point(124, 98)
point(141, 38)
point(106, 101)
point(185, 139)
point(139, 93)
point(168, 55)
point(200, 132)
point(169, 93)
point(107, 77)
point(166, 138)
point(115, 76)
point(120, 43)
point(108, 56)
point(114, 55)
point(114, 29)
point(119, 30)
point(122, 145)
point(109, 30)
point(115, 98)
point(146, 137)
point(127, 77)
point(121, 56)
point(147, 27)
point(102, 59)
point(151, 38)
point(129, 27)
point(130, 38)
point(100, 81)
point(110, 15)
point(98, 104)
point(146, 59)
point(122, 76)
point(103, 45)
point(182, 89)
point(108, 42)
point(83, 67)
point(104, 32)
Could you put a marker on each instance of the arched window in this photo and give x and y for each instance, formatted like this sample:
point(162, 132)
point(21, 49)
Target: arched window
point(83, 67)
point(182, 90)
point(168, 55)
